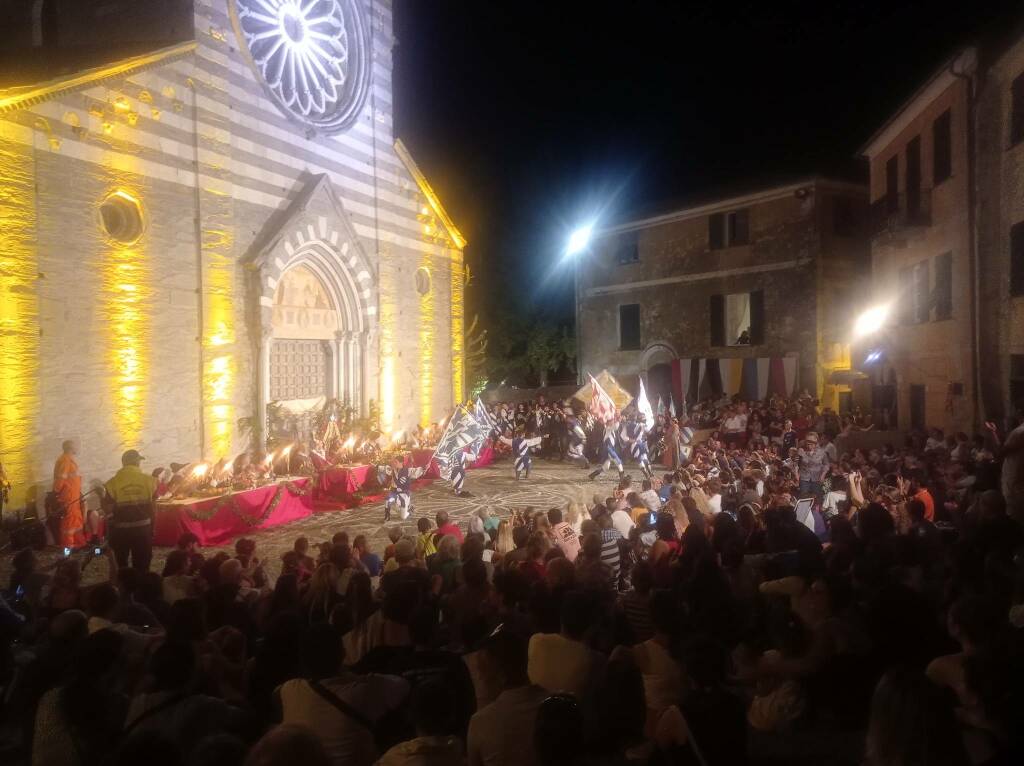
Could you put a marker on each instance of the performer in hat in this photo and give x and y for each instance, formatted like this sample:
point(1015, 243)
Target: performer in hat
point(634, 433)
point(400, 477)
point(458, 474)
point(611, 455)
point(521, 444)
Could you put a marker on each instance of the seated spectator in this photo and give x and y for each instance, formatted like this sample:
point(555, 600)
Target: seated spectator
point(342, 709)
point(447, 527)
point(498, 732)
point(433, 715)
point(371, 561)
point(561, 662)
point(177, 583)
point(425, 547)
point(562, 535)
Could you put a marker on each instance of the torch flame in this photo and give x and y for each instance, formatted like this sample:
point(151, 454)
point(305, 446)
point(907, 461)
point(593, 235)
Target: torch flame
point(397, 437)
point(200, 470)
point(349, 443)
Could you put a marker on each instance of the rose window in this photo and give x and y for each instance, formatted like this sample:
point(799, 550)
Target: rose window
point(312, 55)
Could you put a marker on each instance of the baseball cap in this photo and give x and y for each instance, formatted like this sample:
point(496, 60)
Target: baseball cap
point(131, 457)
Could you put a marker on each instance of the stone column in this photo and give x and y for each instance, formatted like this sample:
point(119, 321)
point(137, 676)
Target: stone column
point(342, 390)
point(263, 386)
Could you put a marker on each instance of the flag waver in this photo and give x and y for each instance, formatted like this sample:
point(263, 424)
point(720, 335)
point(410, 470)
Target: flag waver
point(643, 405)
point(601, 405)
point(463, 431)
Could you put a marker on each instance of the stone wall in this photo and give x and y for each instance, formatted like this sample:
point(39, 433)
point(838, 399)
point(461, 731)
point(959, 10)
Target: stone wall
point(1000, 184)
point(154, 344)
point(936, 353)
point(677, 273)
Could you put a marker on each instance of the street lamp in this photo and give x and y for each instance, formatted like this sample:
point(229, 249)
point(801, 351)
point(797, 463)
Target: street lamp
point(871, 321)
point(579, 240)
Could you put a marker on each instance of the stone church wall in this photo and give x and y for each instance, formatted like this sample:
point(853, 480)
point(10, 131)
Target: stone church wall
point(153, 345)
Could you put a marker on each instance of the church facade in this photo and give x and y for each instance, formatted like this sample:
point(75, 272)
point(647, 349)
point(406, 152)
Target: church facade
point(198, 230)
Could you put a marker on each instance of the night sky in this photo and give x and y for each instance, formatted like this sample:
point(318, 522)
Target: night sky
point(528, 117)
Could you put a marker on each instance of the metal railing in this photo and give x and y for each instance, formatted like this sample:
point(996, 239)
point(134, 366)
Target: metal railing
point(890, 214)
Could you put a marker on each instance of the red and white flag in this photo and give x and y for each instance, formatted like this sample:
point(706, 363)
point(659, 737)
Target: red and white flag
point(601, 405)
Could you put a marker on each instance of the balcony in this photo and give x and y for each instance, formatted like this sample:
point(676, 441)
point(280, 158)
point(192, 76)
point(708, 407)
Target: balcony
point(904, 213)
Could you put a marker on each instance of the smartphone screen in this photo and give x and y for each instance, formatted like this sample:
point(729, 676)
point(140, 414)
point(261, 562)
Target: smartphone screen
point(97, 551)
point(67, 551)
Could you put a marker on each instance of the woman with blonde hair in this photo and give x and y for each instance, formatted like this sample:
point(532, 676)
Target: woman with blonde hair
point(575, 515)
point(321, 595)
point(504, 543)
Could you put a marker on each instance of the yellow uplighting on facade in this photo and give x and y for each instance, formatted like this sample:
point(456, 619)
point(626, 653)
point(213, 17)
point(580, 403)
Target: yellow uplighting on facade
point(387, 349)
point(125, 296)
point(426, 339)
point(219, 368)
point(19, 316)
point(458, 328)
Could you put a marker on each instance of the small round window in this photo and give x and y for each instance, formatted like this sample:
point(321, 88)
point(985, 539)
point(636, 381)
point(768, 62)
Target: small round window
point(422, 281)
point(121, 217)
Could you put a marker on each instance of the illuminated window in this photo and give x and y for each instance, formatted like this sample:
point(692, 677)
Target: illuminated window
point(313, 57)
point(121, 217)
point(422, 281)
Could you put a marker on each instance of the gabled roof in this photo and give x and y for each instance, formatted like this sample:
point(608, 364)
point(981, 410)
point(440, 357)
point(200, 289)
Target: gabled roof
point(721, 200)
point(963, 62)
point(22, 97)
point(430, 194)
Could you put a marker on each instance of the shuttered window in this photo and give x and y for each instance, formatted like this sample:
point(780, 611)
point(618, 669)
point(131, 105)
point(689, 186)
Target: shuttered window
point(1017, 259)
point(757, 317)
point(717, 314)
point(943, 286)
point(942, 147)
point(629, 327)
point(1017, 110)
point(716, 231)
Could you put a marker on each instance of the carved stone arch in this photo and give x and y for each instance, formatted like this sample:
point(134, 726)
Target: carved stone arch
point(657, 352)
point(316, 233)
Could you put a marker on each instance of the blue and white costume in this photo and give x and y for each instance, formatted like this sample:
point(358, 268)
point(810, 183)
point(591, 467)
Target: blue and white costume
point(637, 439)
point(521, 452)
point(611, 455)
point(400, 496)
point(457, 471)
point(577, 440)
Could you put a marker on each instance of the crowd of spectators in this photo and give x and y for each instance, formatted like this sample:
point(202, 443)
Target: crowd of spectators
point(704, 616)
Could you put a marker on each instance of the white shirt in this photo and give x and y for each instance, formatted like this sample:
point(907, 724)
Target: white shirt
point(622, 522)
point(650, 499)
point(733, 423)
point(715, 503)
point(501, 734)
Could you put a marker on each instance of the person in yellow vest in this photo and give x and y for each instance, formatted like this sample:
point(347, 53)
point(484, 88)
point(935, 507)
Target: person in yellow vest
point(67, 483)
point(130, 504)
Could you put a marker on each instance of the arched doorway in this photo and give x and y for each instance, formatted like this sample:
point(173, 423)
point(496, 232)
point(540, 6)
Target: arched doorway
point(304, 322)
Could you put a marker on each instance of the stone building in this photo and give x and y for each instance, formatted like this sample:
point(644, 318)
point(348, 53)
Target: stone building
point(206, 211)
point(999, 141)
point(921, 249)
point(947, 191)
point(702, 299)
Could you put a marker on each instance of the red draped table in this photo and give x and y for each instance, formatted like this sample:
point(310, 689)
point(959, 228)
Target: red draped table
point(219, 520)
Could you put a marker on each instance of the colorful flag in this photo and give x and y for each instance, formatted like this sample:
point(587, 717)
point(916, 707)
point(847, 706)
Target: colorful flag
point(463, 431)
point(601, 405)
point(661, 405)
point(483, 417)
point(671, 406)
point(644, 406)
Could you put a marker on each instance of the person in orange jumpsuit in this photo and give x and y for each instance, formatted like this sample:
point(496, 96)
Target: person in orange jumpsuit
point(67, 483)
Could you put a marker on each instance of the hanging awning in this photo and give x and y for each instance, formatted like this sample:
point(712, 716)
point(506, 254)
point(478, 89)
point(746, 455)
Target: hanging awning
point(846, 377)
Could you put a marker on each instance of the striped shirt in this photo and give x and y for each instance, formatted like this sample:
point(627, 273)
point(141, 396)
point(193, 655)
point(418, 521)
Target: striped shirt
point(610, 551)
